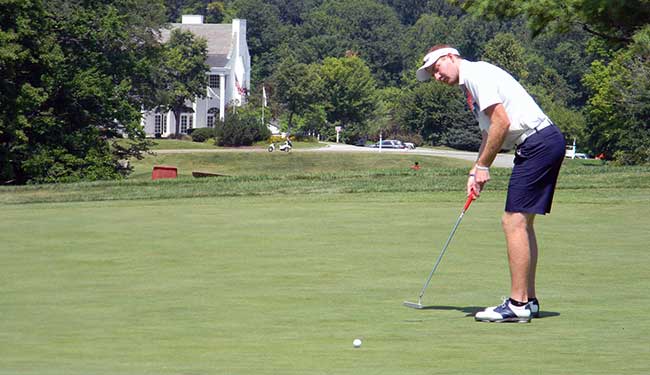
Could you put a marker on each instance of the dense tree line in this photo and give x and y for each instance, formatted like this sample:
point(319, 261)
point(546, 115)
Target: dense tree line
point(75, 74)
point(586, 64)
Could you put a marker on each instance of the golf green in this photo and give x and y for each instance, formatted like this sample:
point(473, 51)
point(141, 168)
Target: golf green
point(284, 284)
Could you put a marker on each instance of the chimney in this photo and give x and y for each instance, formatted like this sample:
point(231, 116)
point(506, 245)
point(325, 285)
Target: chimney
point(192, 19)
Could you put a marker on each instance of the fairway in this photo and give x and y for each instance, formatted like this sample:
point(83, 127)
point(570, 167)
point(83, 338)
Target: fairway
point(283, 284)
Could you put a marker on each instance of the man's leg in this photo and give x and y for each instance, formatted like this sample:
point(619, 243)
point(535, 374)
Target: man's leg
point(532, 243)
point(522, 253)
point(522, 257)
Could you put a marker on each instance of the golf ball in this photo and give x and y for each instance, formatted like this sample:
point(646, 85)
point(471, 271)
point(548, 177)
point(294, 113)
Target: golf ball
point(356, 343)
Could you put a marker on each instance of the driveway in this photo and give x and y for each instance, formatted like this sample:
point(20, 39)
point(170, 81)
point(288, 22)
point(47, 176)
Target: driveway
point(501, 161)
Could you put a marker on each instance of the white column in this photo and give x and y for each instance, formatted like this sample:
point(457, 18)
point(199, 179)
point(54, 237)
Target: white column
point(194, 107)
point(168, 117)
point(222, 96)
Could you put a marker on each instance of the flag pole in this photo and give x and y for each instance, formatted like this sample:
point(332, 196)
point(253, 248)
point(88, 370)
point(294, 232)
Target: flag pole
point(263, 103)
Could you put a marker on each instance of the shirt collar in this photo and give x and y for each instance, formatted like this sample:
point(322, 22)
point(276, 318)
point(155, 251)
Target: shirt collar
point(462, 72)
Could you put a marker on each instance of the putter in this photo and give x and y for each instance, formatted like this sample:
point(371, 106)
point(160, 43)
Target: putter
point(418, 304)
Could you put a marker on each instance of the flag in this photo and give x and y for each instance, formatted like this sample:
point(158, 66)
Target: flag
point(241, 90)
point(264, 95)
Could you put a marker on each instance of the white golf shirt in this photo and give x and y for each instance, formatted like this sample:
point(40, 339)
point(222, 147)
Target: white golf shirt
point(489, 85)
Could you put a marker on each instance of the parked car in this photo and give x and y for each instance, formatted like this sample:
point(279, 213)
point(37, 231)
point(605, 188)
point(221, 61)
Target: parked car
point(409, 145)
point(390, 143)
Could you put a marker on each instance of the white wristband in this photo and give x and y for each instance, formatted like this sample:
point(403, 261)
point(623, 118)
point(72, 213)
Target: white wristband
point(482, 168)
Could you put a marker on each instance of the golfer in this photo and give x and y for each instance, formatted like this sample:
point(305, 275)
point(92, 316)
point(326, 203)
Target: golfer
point(508, 117)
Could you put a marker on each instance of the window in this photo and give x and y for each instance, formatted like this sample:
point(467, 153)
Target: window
point(158, 124)
point(212, 114)
point(187, 122)
point(214, 81)
point(183, 123)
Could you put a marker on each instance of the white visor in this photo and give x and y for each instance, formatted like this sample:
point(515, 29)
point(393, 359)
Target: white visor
point(431, 59)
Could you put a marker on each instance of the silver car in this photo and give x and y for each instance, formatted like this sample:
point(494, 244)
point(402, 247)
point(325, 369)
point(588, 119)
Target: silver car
point(390, 143)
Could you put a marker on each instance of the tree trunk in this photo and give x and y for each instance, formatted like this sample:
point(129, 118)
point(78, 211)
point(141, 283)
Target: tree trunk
point(289, 125)
point(177, 119)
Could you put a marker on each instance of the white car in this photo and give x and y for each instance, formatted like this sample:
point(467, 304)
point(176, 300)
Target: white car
point(571, 153)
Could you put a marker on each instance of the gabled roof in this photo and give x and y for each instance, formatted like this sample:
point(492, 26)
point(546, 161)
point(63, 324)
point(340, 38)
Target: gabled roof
point(218, 36)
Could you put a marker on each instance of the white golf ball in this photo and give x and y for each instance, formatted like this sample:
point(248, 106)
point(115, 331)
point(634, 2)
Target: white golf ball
point(356, 343)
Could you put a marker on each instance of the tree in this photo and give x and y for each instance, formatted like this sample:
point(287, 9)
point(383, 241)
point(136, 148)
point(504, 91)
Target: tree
point(410, 11)
point(183, 72)
point(619, 107)
point(348, 91)
point(369, 29)
point(297, 86)
point(439, 114)
point(615, 21)
point(73, 75)
point(466, 34)
point(505, 51)
point(569, 56)
point(264, 31)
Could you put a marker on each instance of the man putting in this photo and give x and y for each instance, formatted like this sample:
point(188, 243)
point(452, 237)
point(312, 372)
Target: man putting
point(507, 117)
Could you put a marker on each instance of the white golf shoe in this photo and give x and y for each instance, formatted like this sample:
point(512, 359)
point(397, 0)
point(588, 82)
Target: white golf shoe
point(504, 313)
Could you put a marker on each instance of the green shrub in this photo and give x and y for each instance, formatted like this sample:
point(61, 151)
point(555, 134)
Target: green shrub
point(640, 156)
point(203, 134)
point(276, 139)
point(241, 129)
point(52, 165)
point(305, 138)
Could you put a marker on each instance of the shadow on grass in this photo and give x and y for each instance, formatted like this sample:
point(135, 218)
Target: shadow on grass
point(470, 311)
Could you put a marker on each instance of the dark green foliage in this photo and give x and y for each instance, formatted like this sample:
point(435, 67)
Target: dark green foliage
point(241, 129)
point(619, 107)
point(439, 114)
point(363, 27)
point(72, 75)
point(297, 87)
point(348, 89)
point(203, 134)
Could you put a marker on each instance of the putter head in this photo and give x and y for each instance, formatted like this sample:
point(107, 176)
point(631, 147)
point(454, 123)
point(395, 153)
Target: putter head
point(413, 305)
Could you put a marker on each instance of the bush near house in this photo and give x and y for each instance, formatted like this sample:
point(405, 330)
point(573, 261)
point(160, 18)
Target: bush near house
point(203, 134)
point(241, 129)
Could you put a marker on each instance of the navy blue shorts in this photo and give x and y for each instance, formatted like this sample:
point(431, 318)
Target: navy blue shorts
point(534, 175)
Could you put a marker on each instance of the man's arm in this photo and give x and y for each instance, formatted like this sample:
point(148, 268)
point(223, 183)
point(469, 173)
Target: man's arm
point(499, 125)
point(491, 145)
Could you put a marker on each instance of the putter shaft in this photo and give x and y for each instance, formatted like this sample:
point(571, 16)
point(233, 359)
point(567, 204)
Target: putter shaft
point(442, 253)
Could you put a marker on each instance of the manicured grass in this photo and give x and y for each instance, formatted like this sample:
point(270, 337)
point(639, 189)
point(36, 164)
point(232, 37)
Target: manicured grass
point(282, 284)
point(299, 173)
point(295, 163)
point(174, 144)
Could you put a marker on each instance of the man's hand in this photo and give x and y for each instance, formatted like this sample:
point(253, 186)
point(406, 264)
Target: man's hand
point(478, 177)
point(482, 176)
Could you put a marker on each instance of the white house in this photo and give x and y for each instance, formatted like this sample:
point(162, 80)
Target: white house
point(228, 77)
